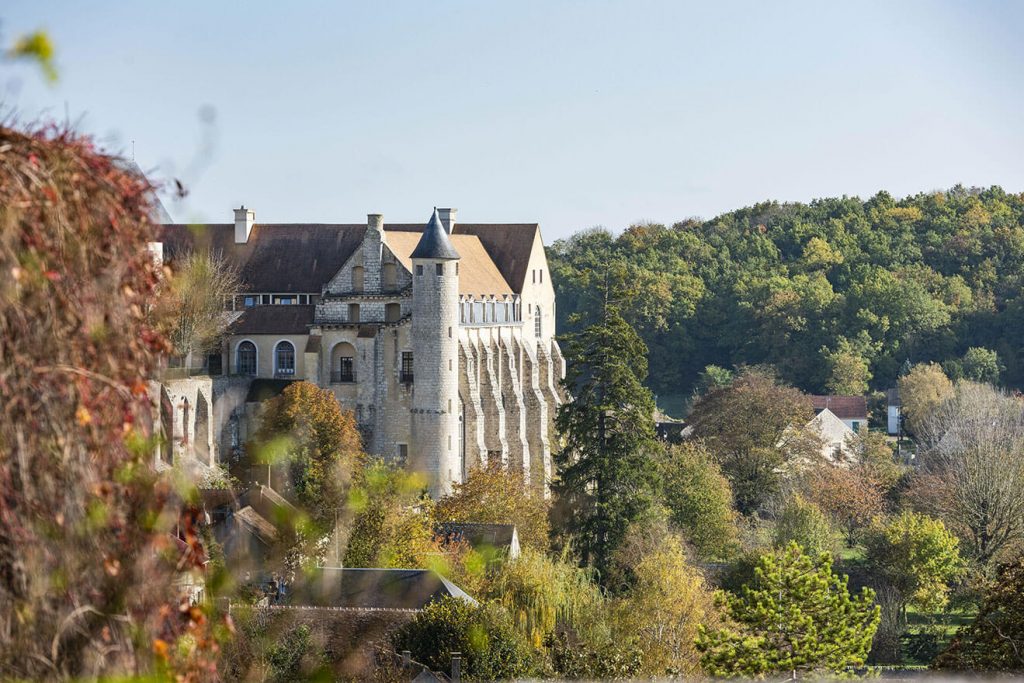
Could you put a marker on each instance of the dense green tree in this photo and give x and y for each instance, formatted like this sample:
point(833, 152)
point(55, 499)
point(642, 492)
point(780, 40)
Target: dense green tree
point(543, 592)
point(849, 371)
point(305, 432)
point(699, 500)
point(924, 278)
point(981, 365)
point(796, 617)
point(802, 522)
point(388, 527)
point(491, 646)
point(915, 556)
point(606, 474)
point(994, 641)
point(752, 427)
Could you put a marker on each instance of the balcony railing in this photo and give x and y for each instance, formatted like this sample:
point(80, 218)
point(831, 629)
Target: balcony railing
point(284, 373)
point(341, 377)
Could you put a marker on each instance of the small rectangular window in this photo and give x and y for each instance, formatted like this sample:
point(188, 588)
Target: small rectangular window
point(250, 301)
point(533, 274)
point(856, 427)
point(456, 268)
point(419, 270)
point(346, 369)
point(440, 268)
point(541, 274)
point(403, 454)
point(406, 374)
point(353, 313)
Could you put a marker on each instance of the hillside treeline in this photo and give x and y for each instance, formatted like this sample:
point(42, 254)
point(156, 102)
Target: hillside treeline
point(838, 295)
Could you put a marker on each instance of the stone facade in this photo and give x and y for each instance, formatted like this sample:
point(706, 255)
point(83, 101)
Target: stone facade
point(447, 360)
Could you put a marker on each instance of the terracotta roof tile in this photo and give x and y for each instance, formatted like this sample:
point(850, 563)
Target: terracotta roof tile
point(478, 273)
point(843, 407)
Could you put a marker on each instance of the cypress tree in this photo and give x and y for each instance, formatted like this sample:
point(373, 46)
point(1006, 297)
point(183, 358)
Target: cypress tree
point(605, 471)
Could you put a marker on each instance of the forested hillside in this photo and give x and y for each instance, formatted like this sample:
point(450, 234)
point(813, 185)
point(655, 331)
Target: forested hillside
point(837, 294)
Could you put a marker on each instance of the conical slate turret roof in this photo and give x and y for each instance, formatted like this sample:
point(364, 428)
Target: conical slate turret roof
point(435, 243)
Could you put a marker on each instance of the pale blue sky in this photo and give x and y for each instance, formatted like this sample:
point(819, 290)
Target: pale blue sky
point(573, 114)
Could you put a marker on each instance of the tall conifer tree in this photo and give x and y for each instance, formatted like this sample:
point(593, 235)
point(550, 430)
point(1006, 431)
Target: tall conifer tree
point(605, 471)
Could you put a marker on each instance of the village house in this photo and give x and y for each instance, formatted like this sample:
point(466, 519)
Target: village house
point(836, 419)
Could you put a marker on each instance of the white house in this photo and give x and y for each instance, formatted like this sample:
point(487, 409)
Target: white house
point(852, 410)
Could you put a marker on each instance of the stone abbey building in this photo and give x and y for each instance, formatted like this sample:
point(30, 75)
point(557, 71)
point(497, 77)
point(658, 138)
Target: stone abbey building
point(440, 338)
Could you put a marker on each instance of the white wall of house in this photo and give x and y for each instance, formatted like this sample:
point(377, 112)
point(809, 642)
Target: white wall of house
point(835, 434)
point(893, 422)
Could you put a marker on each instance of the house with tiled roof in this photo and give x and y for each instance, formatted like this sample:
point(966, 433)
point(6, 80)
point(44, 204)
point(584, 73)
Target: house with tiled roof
point(439, 337)
point(851, 410)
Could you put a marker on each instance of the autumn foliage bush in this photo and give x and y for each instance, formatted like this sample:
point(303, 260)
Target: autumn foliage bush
point(87, 563)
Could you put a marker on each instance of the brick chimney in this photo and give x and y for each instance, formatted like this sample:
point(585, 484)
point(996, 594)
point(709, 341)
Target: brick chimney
point(244, 219)
point(448, 219)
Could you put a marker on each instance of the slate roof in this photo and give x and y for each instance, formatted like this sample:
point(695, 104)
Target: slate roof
point(290, 258)
point(843, 407)
point(434, 242)
point(274, 319)
point(373, 588)
point(280, 258)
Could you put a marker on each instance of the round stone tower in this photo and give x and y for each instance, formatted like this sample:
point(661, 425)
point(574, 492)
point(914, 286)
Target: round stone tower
point(434, 442)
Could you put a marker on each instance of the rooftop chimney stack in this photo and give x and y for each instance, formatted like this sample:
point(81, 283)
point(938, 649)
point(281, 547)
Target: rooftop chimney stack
point(375, 221)
point(244, 219)
point(448, 219)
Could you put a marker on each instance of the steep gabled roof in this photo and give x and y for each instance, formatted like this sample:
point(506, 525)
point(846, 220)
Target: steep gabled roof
point(478, 274)
point(285, 258)
point(843, 407)
point(509, 244)
point(291, 258)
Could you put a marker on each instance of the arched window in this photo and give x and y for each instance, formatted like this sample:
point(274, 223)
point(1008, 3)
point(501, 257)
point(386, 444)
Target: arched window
point(537, 322)
point(284, 359)
point(343, 363)
point(357, 278)
point(245, 358)
point(388, 276)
